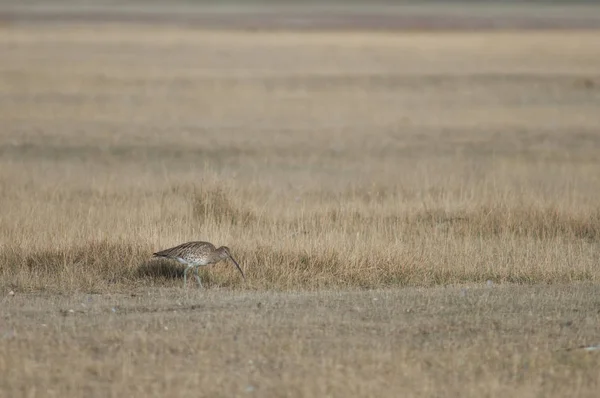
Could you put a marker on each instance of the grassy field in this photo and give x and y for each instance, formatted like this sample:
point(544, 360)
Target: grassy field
point(369, 184)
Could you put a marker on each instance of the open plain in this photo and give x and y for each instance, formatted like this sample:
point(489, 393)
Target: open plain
point(416, 212)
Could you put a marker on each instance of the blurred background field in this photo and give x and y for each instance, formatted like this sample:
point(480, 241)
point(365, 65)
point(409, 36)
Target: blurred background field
point(322, 158)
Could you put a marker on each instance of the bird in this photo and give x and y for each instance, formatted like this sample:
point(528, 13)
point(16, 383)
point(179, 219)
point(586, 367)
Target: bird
point(195, 254)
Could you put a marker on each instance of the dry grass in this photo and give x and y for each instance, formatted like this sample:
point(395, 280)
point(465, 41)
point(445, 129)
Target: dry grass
point(336, 161)
point(323, 160)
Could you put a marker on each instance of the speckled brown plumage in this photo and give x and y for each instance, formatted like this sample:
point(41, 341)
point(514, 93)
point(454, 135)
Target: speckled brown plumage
point(196, 254)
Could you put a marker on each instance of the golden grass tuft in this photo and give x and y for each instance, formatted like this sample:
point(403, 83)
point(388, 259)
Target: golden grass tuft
point(91, 266)
point(526, 221)
point(214, 205)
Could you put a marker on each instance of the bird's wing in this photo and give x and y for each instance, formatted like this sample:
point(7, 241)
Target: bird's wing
point(182, 249)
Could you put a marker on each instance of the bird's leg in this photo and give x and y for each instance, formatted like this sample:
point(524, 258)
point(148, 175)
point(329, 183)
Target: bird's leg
point(185, 275)
point(198, 276)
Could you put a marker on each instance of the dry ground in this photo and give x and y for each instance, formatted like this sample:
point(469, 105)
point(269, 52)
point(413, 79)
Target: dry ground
point(328, 162)
point(442, 342)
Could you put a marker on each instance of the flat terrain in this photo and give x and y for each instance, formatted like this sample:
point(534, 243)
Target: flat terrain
point(451, 342)
point(416, 212)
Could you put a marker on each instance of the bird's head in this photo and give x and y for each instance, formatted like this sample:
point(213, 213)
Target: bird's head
point(224, 253)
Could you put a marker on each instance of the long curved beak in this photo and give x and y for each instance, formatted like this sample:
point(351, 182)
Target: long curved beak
point(237, 265)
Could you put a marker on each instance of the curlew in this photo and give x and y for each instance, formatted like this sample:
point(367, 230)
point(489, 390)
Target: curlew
point(195, 254)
